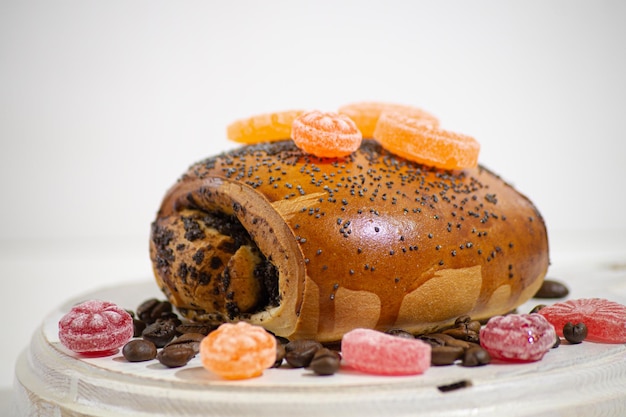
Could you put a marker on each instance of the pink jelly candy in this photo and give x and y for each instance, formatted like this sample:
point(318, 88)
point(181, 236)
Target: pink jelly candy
point(605, 320)
point(95, 327)
point(517, 337)
point(375, 352)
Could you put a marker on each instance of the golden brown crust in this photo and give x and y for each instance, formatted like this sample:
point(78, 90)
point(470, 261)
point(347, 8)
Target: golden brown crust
point(371, 240)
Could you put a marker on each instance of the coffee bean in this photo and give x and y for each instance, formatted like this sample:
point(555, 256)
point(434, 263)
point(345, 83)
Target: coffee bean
point(537, 308)
point(204, 329)
point(175, 356)
point(188, 339)
point(161, 332)
point(325, 362)
point(280, 355)
point(138, 327)
point(445, 355)
point(400, 333)
point(476, 356)
point(299, 353)
point(575, 333)
point(462, 320)
point(462, 333)
point(150, 310)
point(139, 350)
point(552, 289)
point(557, 342)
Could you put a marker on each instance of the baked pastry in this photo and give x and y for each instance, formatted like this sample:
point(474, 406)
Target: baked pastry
point(311, 247)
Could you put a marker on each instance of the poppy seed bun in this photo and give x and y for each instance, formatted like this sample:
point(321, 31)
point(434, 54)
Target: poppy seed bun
point(312, 248)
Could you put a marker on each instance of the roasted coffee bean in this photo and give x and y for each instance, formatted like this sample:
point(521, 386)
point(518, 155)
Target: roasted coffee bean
point(537, 308)
point(432, 339)
point(188, 339)
point(574, 333)
point(462, 320)
point(476, 356)
point(400, 333)
point(204, 329)
point(557, 342)
point(462, 333)
point(175, 356)
point(445, 355)
point(474, 326)
point(138, 327)
point(552, 289)
point(161, 332)
point(139, 350)
point(280, 355)
point(299, 353)
point(150, 310)
point(325, 362)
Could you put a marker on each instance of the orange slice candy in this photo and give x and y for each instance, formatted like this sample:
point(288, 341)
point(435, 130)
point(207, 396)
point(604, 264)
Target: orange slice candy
point(326, 134)
point(366, 114)
point(267, 127)
point(407, 136)
point(238, 351)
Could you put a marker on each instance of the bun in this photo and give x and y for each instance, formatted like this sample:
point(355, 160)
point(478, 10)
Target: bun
point(312, 248)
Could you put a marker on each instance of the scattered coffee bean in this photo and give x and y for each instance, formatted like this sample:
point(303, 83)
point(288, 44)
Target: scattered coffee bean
point(476, 356)
point(161, 332)
point(175, 356)
point(150, 310)
point(552, 289)
point(138, 327)
point(455, 385)
point(575, 333)
point(204, 329)
point(557, 342)
point(280, 355)
point(400, 333)
point(462, 320)
point(445, 355)
point(462, 333)
point(299, 353)
point(139, 350)
point(537, 308)
point(188, 339)
point(325, 362)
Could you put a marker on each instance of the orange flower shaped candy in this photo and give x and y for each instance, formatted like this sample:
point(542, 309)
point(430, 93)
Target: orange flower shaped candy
point(326, 134)
point(238, 351)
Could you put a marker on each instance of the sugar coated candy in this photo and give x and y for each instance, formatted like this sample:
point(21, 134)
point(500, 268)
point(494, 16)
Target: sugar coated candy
point(517, 337)
point(326, 134)
point(375, 352)
point(366, 114)
point(267, 127)
point(95, 327)
point(415, 139)
point(605, 320)
point(238, 351)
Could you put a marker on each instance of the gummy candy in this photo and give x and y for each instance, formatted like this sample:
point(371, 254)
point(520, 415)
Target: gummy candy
point(366, 114)
point(263, 127)
point(375, 352)
point(326, 134)
point(95, 327)
point(605, 320)
point(517, 337)
point(238, 351)
point(416, 140)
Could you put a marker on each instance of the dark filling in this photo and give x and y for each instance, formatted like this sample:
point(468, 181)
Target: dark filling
point(264, 271)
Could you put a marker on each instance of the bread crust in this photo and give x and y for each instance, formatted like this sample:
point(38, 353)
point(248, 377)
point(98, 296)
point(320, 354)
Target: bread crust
point(371, 240)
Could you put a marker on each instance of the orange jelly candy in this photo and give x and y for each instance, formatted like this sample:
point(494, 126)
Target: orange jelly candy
point(267, 127)
point(366, 114)
point(326, 134)
point(238, 351)
point(410, 138)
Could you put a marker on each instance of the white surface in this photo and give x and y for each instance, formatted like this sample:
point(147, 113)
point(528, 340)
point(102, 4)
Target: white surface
point(53, 380)
point(104, 104)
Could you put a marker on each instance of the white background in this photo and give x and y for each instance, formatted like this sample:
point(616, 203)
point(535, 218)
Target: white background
point(104, 104)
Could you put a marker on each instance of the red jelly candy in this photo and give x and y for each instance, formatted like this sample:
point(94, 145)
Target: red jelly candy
point(517, 337)
point(95, 327)
point(605, 320)
point(375, 352)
